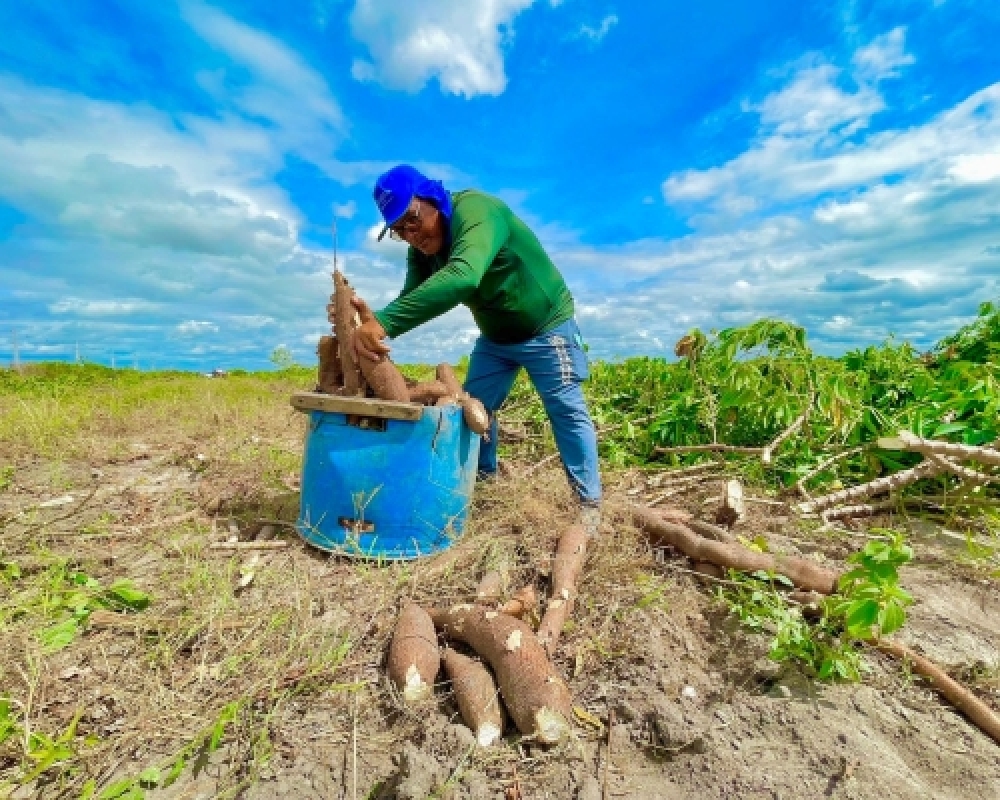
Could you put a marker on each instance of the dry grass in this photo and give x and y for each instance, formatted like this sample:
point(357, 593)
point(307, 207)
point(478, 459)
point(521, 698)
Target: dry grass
point(211, 671)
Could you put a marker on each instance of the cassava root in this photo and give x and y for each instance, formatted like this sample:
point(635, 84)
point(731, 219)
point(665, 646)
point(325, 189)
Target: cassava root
point(414, 660)
point(803, 573)
point(571, 551)
point(476, 695)
point(535, 695)
point(473, 410)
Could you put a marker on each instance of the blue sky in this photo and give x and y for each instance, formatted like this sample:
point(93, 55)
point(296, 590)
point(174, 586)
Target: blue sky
point(169, 172)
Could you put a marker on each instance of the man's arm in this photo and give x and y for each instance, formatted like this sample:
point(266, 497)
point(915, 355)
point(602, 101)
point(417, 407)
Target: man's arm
point(476, 243)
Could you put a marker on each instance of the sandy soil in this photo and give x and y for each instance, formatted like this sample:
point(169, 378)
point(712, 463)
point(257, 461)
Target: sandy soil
point(699, 711)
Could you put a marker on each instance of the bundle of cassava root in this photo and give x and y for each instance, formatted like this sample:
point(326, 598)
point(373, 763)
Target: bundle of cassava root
point(515, 662)
point(343, 372)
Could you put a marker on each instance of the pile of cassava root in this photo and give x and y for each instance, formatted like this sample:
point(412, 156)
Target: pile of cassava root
point(517, 666)
point(343, 372)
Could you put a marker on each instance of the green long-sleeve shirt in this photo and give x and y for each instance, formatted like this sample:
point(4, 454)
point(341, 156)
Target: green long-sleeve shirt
point(494, 265)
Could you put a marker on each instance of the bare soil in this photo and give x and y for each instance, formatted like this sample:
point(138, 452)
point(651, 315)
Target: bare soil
point(699, 711)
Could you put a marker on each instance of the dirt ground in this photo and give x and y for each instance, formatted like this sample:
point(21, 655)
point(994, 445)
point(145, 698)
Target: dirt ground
point(287, 665)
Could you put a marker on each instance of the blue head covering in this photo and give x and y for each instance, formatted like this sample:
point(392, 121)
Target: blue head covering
point(395, 190)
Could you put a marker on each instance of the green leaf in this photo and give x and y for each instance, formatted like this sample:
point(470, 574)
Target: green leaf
point(893, 617)
point(122, 595)
point(861, 616)
point(150, 778)
point(56, 637)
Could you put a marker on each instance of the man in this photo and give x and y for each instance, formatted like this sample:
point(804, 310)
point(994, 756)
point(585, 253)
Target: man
point(468, 247)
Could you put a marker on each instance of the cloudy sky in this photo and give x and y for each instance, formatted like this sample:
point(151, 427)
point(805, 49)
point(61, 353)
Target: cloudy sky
point(169, 171)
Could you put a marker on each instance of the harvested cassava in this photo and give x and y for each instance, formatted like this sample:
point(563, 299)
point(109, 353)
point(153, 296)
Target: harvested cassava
point(385, 379)
point(472, 409)
point(524, 601)
point(803, 573)
point(344, 325)
point(732, 508)
point(980, 714)
point(428, 392)
point(537, 698)
point(413, 654)
point(571, 551)
point(705, 529)
point(476, 694)
point(331, 370)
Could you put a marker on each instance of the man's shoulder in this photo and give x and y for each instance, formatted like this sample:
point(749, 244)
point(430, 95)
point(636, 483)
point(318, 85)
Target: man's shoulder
point(469, 203)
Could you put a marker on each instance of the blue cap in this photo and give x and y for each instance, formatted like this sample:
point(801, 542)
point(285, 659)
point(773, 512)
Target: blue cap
point(395, 190)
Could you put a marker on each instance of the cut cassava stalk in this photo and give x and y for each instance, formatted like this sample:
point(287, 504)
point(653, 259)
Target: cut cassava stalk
point(473, 410)
point(849, 512)
point(710, 448)
point(889, 483)
point(331, 370)
point(803, 573)
point(980, 714)
point(767, 454)
point(800, 484)
point(413, 654)
point(571, 551)
point(345, 323)
point(524, 601)
point(476, 694)
point(965, 473)
point(537, 698)
point(732, 508)
point(964, 452)
point(428, 392)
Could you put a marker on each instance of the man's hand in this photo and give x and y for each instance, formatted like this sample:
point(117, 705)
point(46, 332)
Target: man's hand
point(369, 335)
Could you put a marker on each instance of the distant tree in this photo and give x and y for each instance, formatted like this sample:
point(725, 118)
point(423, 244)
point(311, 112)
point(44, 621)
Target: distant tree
point(282, 357)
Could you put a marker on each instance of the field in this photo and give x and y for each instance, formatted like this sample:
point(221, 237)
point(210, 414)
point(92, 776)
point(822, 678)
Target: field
point(139, 661)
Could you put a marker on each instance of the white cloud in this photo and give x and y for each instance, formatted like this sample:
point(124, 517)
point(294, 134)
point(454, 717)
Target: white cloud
point(459, 42)
point(884, 56)
point(596, 34)
point(193, 327)
point(75, 305)
point(850, 230)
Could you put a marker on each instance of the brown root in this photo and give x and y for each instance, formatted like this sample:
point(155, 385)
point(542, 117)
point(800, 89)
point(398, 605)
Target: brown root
point(385, 379)
point(473, 410)
point(536, 696)
point(476, 694)
point(566, 568)
point(978, 713)
point(524, 601)
point(428, 392)
point(331, 370)
point(803, 573)
point(413, 654)
point(345, 323)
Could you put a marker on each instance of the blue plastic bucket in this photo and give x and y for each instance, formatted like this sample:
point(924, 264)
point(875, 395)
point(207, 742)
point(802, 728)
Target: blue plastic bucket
point(387, 488)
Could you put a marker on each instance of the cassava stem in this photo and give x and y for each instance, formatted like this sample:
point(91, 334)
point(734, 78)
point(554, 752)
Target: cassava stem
point(897, 480)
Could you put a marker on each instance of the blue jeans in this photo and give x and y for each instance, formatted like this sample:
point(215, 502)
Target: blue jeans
point(557, 365)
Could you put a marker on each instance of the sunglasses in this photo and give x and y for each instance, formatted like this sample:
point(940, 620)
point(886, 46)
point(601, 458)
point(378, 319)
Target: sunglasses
point(408, 223)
